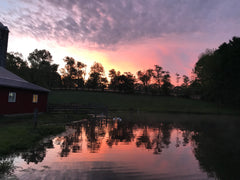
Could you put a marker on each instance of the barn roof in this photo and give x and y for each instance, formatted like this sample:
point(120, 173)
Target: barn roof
point(8, 79)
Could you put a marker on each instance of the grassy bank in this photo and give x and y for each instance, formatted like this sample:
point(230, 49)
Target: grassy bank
point(18, 133)
point(124, 102)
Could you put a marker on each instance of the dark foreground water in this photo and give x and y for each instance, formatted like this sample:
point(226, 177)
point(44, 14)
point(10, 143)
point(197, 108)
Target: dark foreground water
point(144, 146)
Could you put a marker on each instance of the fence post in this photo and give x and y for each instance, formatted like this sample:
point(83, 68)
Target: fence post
point(35, 118)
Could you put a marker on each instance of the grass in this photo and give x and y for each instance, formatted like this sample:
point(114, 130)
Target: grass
point(18, 133)
point(125, 102)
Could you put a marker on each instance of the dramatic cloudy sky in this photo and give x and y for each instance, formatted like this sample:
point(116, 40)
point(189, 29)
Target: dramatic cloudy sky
point(127, 35)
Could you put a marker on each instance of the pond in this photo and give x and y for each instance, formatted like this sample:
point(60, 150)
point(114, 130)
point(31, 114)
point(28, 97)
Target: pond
point(135, 146)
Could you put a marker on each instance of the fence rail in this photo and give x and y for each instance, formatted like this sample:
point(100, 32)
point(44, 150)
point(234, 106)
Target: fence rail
point(77, 108)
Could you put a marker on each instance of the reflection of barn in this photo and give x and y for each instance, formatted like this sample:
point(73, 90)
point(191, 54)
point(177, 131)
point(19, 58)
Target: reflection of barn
point(16, 94)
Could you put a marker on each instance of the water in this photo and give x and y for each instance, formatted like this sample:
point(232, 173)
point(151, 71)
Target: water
point(137, 147)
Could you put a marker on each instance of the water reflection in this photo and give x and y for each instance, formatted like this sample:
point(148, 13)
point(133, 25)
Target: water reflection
point(119, 131)
point(115, 132)
point(154, 149)
point(6, 167)
point(38, 153)
point(215, 144)
point(218, 149)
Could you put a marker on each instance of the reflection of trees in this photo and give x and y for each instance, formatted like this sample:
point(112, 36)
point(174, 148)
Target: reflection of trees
point(217, 148)
point(67, 143)
point(95, 131)
point(166, 128)
point(186, 132)
point(120, 132)
point(77, 139)
point(38, 153)
point(71, 142)
point(157, 141)
point(186, 137)
point(178, 142)
point(215, 145)
point(6, 167)
point(160, 139)
point(144, 139)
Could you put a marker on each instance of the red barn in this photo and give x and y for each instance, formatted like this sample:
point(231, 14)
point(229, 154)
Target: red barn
point(17, 96)
point(20, 96)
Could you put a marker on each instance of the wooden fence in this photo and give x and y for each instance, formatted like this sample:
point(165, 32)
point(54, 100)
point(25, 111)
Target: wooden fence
point(77, 108)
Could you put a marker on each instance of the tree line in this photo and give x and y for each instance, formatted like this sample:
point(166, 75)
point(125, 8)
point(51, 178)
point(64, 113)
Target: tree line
point(217, 75)
point(40, 69)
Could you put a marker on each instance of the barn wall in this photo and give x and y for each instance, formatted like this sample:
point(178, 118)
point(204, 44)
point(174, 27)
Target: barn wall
point(23, 102)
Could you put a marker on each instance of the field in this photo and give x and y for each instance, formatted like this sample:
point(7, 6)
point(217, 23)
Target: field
point(144, 103)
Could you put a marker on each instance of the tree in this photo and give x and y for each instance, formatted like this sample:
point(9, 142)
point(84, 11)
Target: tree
point(185, 90)
point(145, 77)
point(113, 75)
point(96, 78)
point(73, 73)
point(157, 74)
point(178, 78)
point(166, 87)
point(185, 81)
point(81, 71)
point(37, 56)
point(122, 82)
point(126, 82)
point(42, 71)
point(218, 72)
point(16, 64)
point(70, 67)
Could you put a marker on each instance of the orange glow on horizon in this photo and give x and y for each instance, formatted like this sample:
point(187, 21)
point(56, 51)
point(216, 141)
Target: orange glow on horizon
point(133, 57)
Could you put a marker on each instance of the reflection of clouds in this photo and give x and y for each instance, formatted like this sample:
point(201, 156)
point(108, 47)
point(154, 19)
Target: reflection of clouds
point(107, 23)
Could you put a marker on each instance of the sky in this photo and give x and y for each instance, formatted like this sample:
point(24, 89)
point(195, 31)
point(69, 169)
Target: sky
point(127, 35)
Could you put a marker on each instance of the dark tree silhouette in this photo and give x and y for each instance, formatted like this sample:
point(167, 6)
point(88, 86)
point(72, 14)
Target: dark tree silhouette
point(80, 74)
point(145, 77)
point(16, 64)
point(123, 83)
point(73, 73)
point(177, 77)
point(157, 74)
point(113, 75)
point(166, 87)
point(184, 89)
point(42, 71)
point(218, 72)
point(96, 78)
point(185, 81)
point(38, 56)
point(126, 82)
